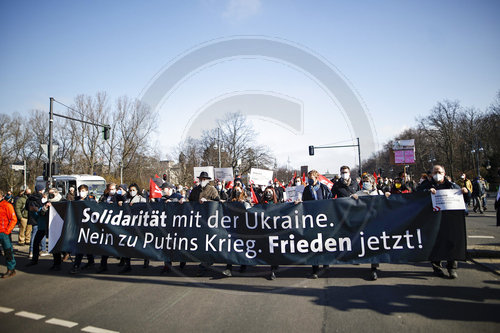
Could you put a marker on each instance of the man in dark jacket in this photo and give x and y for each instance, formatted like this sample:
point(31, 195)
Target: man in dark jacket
point(440, 182)
point(204, 191)
point(315, 191)
point(33, 205)
point(345, 186)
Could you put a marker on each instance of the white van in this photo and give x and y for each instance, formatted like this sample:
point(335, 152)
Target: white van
point(96, 184)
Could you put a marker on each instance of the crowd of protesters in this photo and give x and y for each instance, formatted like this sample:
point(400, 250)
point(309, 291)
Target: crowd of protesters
point(30, 210)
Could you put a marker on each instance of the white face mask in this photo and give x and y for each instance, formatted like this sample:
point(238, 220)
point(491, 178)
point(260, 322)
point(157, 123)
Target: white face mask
point(204, 182)
point(44, 200)
point(297, 183)
point(83, 194)
point(346, 175)
point(438, 177)
point(463, 177)
point(367, 186)
point(112, 192)
point(133, 193)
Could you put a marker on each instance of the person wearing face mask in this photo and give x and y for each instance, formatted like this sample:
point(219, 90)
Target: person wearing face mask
point(237, 194)
point(270, 197)
point(71, 194)
point(440, 182)
point(33, 204)
point(110, 197)
point(83, 195)
point(22, 217)
point(133, 197)
point(201, 193)
point(279, 190)
point(315, 190)
point(8, 220)
point(42, 232)
point(399, 187)
point(204, 191)
point(463, 181)
point(478, 190)
point(169, 195)
point(345, 187)
point(368, 187)
point(221, 190)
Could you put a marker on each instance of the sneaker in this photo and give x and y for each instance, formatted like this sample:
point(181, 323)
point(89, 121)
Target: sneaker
point(30, 256)
point(44, 254)
point(272, 277)
point(227, 272)
point(373, 275)
point(314, 276)
point(10, 273)
point(453, 273)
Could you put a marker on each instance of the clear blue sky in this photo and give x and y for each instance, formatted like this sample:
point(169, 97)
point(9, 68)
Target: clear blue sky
point(400, 56)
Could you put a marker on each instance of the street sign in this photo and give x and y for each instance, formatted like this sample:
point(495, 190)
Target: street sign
point(17, 167)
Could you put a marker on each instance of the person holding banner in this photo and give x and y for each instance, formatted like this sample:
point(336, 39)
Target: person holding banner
point(440, 182)
point(270, 197)
point(238, 194)
point(204, 191)
point(315, 191)
point(110, 197)
point(83, 191)
point(133, 197)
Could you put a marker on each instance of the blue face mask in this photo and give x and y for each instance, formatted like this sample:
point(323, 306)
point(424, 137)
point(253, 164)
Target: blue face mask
point(119, 192)
point(310, 181)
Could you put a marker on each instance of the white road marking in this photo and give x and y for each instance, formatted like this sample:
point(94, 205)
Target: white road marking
point(489, 237)
point(92, 329)
point(60, 322)
point(29, 315)
point(5, 310)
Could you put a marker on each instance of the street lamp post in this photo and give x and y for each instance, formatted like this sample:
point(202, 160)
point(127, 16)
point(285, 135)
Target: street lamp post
point(120, 164)
point(218, 146)
point(476, 150)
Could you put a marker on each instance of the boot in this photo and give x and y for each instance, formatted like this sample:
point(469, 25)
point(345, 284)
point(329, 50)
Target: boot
point(10, 273)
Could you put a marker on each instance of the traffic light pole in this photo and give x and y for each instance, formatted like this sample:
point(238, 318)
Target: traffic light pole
point(312, 148)
point(51, 122)
point(49, 150)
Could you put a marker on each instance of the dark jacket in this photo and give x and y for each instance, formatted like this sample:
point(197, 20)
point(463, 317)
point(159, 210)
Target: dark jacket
point(324, 193)
point(175, 197)
point(427, 185)
point(33, 204)
point(342, 190)
point(208, 192)
point(113, 198)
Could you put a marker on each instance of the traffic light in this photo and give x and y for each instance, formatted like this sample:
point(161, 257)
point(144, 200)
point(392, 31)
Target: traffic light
point(105, 132)
point(311, 150)
point(55, 170)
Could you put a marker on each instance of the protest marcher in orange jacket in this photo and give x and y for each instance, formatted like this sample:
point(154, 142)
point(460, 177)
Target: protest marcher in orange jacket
point(8, 220)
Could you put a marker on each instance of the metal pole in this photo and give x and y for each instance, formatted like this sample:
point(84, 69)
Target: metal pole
point(121, 172)
point(359, 156)
point(218, 144)
point(25, 175)
point(51, 121)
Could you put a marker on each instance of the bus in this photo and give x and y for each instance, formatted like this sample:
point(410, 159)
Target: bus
point(96, 184)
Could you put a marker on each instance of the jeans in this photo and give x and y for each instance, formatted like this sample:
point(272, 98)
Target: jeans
point(44, 240)
point(8, 251)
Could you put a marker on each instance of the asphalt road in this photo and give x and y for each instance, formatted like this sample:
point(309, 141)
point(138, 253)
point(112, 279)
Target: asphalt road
point(404, 298)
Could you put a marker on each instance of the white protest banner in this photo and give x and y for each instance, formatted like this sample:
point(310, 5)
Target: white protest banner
point(294, 193)
point(261, 176)
point(448, 200)
point(207, 169)
point(224, 174)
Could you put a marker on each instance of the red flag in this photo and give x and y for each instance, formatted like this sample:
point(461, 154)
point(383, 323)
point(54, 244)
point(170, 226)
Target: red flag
point(279, 183)
point(303, 177)
point(156, 176)
point(293, 179)
point(229, 184)
point(254, 196)
point(326, 181)
point(154, 190)
point(375, 175)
